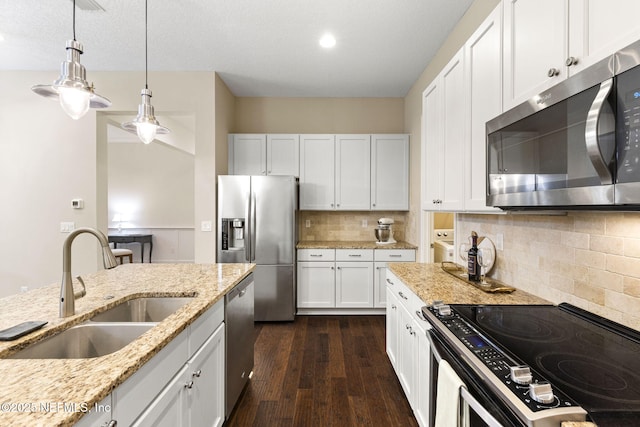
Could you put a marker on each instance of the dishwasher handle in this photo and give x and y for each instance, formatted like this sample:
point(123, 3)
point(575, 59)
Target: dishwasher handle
point(240, 290)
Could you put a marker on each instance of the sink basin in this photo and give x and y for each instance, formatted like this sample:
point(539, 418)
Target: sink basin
point(154, 309)
point(84, 341)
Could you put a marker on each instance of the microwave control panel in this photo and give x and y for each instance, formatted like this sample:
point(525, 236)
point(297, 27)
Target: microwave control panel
point(628, 126)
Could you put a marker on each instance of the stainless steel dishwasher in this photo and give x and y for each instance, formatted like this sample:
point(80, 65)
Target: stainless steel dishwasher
point(239, 340)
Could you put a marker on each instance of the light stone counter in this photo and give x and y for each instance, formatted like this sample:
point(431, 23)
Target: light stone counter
point(352, 244)
point(430, 283)
point(88, 381)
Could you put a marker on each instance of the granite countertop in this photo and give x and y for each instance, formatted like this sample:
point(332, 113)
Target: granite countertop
point(351, 244)
point(430, 283)
point(88, 381)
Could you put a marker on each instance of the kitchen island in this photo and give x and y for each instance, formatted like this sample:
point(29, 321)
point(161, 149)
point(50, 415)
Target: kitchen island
point(57, 392)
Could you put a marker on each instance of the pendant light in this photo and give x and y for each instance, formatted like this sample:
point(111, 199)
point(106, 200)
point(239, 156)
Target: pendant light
point(71, 88)
point(145, 124)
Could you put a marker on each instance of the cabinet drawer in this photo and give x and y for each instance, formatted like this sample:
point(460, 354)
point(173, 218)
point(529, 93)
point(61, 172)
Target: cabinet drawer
point(354, 254)
point(395, 255)
point(316, 254)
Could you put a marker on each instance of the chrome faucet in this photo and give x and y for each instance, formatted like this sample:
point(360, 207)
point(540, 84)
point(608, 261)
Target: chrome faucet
point(67, 296)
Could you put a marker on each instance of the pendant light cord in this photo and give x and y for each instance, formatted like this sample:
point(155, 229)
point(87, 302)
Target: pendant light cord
point(146, 48)
point(74, 20)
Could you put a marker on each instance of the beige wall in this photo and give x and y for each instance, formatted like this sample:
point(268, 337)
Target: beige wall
point(319, 115)
point(341, 226)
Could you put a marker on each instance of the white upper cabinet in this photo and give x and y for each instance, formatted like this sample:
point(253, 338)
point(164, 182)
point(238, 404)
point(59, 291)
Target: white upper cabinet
point(445, 116)
point(390, 172)
point(317, 172)
point(283, 154)
point(353, 172)
point(483, 60)
point(248, 154)
point(546, 41)
point(598, 28)
point(260, 154)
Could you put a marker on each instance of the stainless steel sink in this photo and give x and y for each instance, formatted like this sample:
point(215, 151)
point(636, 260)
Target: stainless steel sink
point(150, 309)
point(84, 341)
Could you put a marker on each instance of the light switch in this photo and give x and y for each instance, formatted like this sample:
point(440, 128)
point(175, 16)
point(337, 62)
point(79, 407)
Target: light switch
point(307, 223)
point(206, 226)
point(67, 227)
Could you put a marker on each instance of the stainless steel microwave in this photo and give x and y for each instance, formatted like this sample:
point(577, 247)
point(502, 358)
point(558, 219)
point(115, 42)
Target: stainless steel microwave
point(574, 146)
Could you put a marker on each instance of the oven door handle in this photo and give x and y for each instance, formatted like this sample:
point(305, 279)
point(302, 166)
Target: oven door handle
point(434, 349)
point(478, 408)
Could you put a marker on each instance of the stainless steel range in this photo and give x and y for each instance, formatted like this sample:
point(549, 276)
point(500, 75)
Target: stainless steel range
point(540, 365)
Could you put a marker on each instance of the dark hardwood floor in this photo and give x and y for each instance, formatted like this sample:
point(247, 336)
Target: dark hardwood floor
point(322, 371)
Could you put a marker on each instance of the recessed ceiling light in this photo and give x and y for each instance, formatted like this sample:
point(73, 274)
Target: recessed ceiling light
point(327, 41)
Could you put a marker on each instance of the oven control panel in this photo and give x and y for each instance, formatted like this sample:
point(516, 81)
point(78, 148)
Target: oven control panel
point(530, 388)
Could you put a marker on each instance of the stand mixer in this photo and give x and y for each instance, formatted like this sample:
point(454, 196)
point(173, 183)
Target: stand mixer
point(383, 232)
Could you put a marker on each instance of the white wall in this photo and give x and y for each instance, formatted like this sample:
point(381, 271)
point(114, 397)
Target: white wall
point(48, 159)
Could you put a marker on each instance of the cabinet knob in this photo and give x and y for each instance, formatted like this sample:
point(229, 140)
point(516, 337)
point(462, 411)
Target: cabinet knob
point(553, 72)
point(112, 423)
point(189, 385)
point(571, 61)
point(197, 373)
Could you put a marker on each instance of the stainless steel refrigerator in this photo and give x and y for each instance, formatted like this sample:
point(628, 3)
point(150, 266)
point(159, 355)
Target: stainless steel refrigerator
point(257, 223)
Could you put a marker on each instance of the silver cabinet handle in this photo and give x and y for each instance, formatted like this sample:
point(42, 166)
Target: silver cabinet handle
point(402, 295)
point(390, 282)
point(355, 255)
point(316, 255)
point(197, 373)
point(395, 256)
point(553, 72)
point(571, 61)
point(112, 423)
point(393, 306)
point(189, 385)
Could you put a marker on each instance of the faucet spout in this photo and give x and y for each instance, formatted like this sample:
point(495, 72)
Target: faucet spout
point(67, 297)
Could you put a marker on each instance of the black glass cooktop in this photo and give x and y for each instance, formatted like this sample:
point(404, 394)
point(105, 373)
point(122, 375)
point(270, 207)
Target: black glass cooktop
point(594, 361)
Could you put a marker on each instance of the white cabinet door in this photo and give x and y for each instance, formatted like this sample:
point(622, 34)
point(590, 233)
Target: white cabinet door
point(535, 47)
point(423, 372)
point(247, 154)
point(390, 172)
point(283, 154)
point(432, 169)
point(316, 285)
point(598, 28)
point(379, 284)
point(169, 409)
point(317, 172)
point(483, 59)
point(407, 349)
point(353, 172)
point(392, 326)
point(206, 376)
point(354, 284)
point(455, 117)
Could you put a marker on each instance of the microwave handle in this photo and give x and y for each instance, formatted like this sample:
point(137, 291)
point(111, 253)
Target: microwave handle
point(591, 136)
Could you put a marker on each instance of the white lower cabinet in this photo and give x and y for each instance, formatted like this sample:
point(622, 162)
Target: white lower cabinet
point(97, 416)
point(345, 279)
point(182, 385)
point(408, 346)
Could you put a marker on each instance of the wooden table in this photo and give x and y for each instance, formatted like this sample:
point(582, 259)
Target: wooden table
point(133, 238)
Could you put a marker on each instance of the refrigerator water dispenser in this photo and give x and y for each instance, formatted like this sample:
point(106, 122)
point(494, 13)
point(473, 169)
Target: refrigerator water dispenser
point(232, 234)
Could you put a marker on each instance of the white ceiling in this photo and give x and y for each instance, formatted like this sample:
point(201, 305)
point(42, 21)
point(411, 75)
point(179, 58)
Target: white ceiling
point(259, 47)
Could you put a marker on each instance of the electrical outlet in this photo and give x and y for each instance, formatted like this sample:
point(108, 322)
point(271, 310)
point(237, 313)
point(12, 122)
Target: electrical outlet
point(206, 226)
point(307, 223)
point(365, 223)
point(67, 227)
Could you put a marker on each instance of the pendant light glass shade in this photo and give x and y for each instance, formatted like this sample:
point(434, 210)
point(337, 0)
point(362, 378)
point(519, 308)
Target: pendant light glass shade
point(145, 124)
point(71, 88)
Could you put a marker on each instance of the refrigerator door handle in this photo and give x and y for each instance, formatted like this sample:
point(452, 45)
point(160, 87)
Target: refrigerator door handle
point(247, 226)
point(252, 231)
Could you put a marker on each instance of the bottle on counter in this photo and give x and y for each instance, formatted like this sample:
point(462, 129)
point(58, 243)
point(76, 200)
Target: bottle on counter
point(473, 266)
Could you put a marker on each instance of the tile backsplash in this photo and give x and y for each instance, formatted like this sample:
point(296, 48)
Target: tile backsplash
point(342, 225)
point(589, 259)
